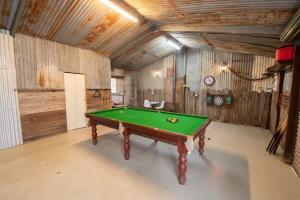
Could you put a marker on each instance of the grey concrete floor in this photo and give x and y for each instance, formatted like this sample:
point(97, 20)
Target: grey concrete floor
point(235, 167)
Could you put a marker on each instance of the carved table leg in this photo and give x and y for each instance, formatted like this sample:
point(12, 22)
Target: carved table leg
point(126, 144)
point(182, 167)
point(201, 142)
point(94, 132)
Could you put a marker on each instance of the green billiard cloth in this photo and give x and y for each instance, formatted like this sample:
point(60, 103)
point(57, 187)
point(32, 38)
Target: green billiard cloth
point(186, 125)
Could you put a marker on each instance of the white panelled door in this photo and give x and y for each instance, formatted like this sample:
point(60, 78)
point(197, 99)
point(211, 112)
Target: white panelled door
point(75, 100)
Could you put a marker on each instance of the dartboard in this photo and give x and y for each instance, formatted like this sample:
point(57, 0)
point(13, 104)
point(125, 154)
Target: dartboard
point(219, 100)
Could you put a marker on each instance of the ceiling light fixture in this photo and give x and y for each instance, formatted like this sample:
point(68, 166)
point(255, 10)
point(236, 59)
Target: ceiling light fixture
point(119, 10)
point(173, 44)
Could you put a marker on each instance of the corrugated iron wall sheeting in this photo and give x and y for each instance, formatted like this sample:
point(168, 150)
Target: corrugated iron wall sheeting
point(193, 69)
point(152, 76)
point(260, 65)
point(207, 62)
point(10, 131)
point(41, 63)
point(287, 82)
point(6, 47)
point(181, 63)
point(147, 79)
point(210, 62)
point(243, 65)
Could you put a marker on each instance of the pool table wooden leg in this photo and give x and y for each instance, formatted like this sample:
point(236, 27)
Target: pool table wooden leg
point(201, 142)
point(182, 166)
point(94, 132)
point(126, 144)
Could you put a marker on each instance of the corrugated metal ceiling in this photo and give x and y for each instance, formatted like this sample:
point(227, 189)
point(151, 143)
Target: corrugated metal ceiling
point(226, 12)
point(89, 24)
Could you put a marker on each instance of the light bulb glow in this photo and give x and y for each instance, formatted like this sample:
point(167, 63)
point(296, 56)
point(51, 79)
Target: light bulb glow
point(119, 10)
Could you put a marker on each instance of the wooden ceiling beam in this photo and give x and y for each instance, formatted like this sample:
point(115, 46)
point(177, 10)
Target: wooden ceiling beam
point(258, 29)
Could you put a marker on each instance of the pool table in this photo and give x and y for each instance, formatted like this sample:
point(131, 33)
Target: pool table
point(154, 125)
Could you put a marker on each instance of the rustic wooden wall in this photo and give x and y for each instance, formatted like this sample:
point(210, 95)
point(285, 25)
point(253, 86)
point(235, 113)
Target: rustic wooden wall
point(273, 111)
point(156, 82)
point(296, 159)
point(41, 64)
point(42, 113)
point(129, 85)
point(40, 67)
point(181, 60)
point(98, 99)
point(251, 102)
point(250, 108)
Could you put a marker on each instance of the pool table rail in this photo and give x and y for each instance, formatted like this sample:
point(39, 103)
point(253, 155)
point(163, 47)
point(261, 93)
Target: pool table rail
point(176, 139)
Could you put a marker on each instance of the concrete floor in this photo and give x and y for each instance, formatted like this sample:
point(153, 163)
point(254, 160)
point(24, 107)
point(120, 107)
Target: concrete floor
point(68, 166)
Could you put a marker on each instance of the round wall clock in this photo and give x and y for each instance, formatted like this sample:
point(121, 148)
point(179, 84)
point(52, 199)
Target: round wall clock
point(209, 80)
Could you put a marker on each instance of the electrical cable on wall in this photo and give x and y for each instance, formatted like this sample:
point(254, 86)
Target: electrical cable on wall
point(247, 78)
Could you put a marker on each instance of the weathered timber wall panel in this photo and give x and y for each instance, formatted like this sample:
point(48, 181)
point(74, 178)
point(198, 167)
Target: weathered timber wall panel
point(151, 76)
point(41, 63)
point(296, 161)
point(169, 80)
point(98, 102)
point(44, 101)
point(40, 66)
point(45, 123)
point(247, 95)
point(193, 65)
point(130, 85)
point(273, 111)
point(156, 82)
point(151, 95)
point(42, 113)
point(119, 85)
point(180, 79)
point(130, 89)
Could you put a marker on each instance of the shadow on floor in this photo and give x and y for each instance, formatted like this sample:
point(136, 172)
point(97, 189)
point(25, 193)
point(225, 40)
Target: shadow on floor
point(215, 175)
